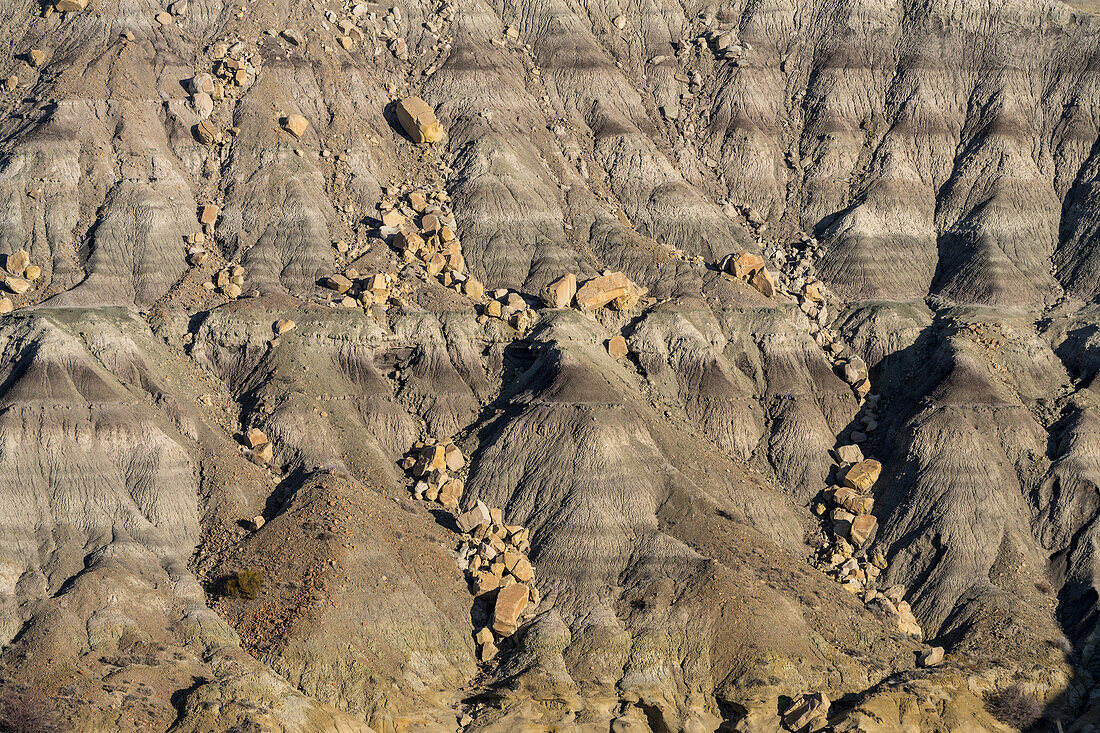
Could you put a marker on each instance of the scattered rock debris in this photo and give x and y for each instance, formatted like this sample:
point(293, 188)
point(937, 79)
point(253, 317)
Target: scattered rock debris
point(493, 554)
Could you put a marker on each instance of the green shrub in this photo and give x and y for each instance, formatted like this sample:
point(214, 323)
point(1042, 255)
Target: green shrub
point(245, 583)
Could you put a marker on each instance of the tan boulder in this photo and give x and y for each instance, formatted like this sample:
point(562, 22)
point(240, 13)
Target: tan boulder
point(603, 290)
point(853, 501)
point(296, 125)
point(559, 294)
point(17, 262)
point(6, 306)
point(450, 493)
point(263, 453)
point(744, 264)
point(494, 309)
point(337, 282)
point(479, 514)
point(33, 272)
point(616, 346)
point(764, 282)
point(510, 605)
point(862, 530)
point(932, 656)
point(454, 458)
point(70, 6)
point(393, 218)
point(36, 57)
point(283, 325)
point(208, 132)
point(473, 288)
point(519, 566)
point(812, 290)
point(208, 215)
point(17, 285)
point(863, 475)
point(418, 120)
point(849, 453)
point(430, 458)
point(254, 437)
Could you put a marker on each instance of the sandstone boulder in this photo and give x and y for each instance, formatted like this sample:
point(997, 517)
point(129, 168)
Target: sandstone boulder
point(510, 605)
point(296, 125)
point(282, 326)
point(849, 453)
point(479, 514)
point(863, 475)
point(862, 530)
point(612, 287)
point(560, 293)
point(17, 262)
point(418, 120)
point(931, 656)
point(764, 282)
point(616, 346)
point(744, 264)
point(254, 437)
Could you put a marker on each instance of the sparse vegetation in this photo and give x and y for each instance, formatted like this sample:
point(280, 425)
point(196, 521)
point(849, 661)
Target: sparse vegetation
point(244, 583)
point(26, 711)
point(1016, 707)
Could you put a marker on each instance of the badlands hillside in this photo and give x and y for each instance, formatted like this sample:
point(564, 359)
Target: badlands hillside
point(553, 365)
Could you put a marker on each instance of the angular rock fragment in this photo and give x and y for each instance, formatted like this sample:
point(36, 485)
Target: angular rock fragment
point(511, 603)
point(862, 530)
point(296, 125)
point(17, 262)
point(254, 437)
point(863, 475)
point(282, 326)
point(479, 514)
point(559, 294)
point(617, 348)
point(931, 656)
point(606, 289)
point(418, 120)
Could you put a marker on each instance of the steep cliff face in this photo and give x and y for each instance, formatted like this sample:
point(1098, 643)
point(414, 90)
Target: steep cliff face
point(934, 163)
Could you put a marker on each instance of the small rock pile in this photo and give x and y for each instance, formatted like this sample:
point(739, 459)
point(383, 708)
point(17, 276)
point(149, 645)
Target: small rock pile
point(491, 553)
point(422, 227)
point(494, 556)
point(437, 465)
point(510, 307)
point(235, 69)
point(18, 277)
point(751, 268)
point(357, 290)
point(258, 446)
point(611, 289)
point(229, 281)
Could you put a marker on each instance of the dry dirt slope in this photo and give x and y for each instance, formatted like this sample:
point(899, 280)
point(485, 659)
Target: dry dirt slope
point(945, 156)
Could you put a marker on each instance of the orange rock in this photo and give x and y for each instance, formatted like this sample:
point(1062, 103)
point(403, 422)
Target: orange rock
point(559, 294)
point(764, 281)
point(744, 264)
point(614, 286)
point(617, 347)
point(511, 603)
point(863, 475)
